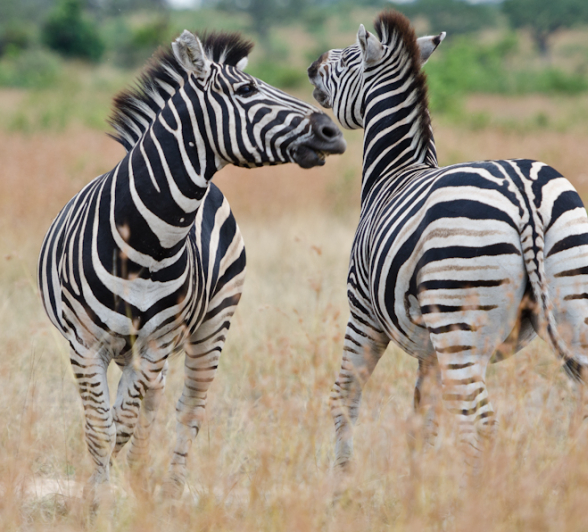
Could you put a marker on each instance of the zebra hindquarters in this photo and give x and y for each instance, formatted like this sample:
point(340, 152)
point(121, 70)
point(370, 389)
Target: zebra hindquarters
point(470, 306)
point(566, 272)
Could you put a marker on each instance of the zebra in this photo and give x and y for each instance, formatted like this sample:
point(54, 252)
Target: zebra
point(456, 265)
point(147, 259)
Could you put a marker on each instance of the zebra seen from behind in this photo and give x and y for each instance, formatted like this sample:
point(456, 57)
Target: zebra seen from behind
point(455, 265)
point(147, 259)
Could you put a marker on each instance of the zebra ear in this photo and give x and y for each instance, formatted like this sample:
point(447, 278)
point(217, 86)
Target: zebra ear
point(189, 52)
point(427, 45)
point(242, 63)
point(371, 49)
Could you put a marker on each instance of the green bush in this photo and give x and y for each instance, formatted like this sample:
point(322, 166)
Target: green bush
point(70, 33)
point(467, 66)
point(135, 45)
point(278, 74)
point(14, 37)
point(33, 68)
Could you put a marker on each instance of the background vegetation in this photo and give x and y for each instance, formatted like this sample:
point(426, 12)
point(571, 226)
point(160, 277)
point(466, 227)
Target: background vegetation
point(263, 458)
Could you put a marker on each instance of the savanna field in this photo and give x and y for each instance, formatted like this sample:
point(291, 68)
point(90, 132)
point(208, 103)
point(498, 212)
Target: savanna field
point(263, 459)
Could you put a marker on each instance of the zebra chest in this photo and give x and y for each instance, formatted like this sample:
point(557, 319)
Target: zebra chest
point(136, 304)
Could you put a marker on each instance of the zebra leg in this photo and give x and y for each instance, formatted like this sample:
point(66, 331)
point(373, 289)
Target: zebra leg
point(466, 396)
point(362, 349)
point(143, 377)
point(99, 428)
point(426, 400)
point(140, 441)
point(203, 351)
point(567, 281)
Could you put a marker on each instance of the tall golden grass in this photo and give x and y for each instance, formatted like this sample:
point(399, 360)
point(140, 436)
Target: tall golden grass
point(263, 458)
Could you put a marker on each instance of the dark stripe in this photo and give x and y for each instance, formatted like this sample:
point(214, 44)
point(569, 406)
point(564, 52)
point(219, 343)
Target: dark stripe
point(569, 242)
point(573, 273)
point(460, 366)
point(436, 309)
point(446, 284)
point(454, 348)
point(452, 327)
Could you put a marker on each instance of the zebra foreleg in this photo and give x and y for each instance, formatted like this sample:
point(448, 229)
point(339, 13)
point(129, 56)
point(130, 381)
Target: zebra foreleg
point(143, 379)
point(140, 441)
point(203, 352)
point(362, 349)
point(99, 428)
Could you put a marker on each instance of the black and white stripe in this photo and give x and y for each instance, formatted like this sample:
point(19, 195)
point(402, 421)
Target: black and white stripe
point(455, 265)
point(147, 259)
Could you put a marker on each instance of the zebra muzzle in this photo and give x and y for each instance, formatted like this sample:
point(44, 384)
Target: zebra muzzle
point(326, 139)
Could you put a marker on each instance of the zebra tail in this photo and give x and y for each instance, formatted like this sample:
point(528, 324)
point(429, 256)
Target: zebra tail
point(533, 240)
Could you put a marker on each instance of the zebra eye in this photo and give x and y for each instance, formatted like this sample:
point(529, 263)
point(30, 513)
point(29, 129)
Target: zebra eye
point(246, 90)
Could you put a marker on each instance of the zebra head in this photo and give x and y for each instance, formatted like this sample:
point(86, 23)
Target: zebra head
point(255, 123)
point(199, 92)
point(341, 76)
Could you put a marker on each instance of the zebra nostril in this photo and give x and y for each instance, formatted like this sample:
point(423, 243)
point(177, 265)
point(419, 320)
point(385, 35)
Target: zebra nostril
point(329, 132)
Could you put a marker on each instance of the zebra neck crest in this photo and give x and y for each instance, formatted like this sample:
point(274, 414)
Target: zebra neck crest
point(135, 109)
point(401, 59)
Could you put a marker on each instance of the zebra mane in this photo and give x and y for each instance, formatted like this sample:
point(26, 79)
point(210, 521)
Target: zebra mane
point(135, 109)
point(393, 28)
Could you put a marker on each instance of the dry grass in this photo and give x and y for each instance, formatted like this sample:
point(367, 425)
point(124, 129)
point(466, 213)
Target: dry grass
point(263, 459)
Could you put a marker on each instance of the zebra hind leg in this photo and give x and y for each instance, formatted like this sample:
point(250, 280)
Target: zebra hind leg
point(427, 398)
point(362, 349)
point(465, 395)
point(100, 432)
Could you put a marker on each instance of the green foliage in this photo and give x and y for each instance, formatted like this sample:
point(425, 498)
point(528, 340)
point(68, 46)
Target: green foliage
point(453, 16)
point(545, 17)
point(132, 45)
point(467, 66)
point(278, 74)
point(78, 95)
point(70, 33)
point(33, 68)
point(14, 37)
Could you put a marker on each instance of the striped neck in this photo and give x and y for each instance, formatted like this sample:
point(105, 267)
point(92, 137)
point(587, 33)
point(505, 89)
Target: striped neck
point(397, 125)
point(160, 184)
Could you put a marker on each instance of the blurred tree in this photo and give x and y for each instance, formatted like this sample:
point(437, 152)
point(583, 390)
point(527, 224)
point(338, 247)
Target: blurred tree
point(19, 23)
point(453, 16)
point(70, 33)
point(544, 17)
point(133, 44)
point(265, 14)
point(122, 7)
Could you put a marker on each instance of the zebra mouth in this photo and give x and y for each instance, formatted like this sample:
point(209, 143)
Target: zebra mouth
point(325, 139)
point(322, 98)
point(307, 157)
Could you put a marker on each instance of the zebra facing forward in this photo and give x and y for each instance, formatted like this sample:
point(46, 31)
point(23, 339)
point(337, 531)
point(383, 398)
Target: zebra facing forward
point(452, 264)
point(147, 259)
